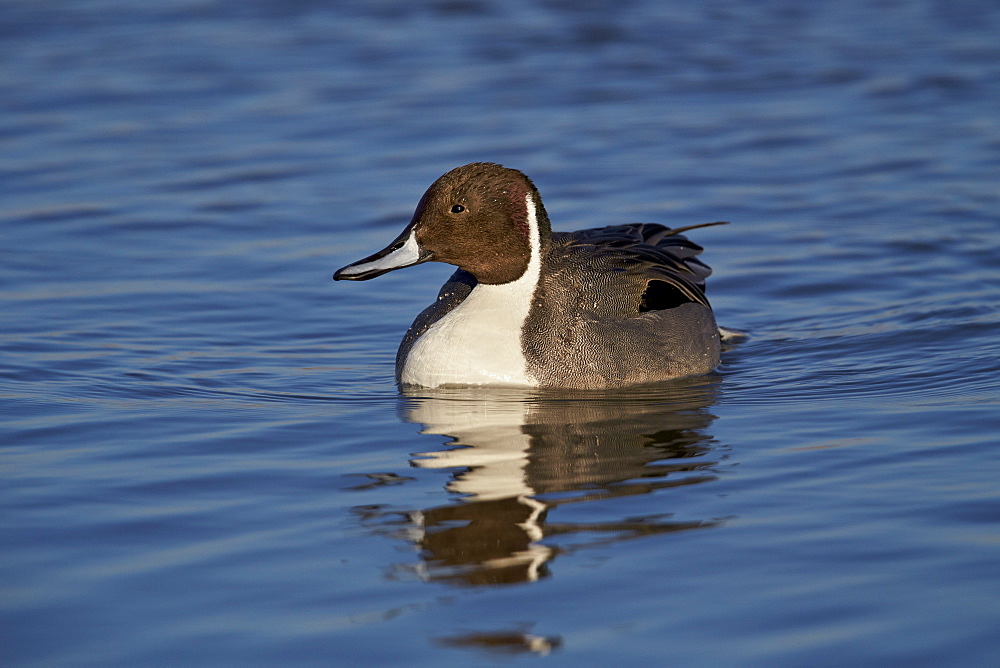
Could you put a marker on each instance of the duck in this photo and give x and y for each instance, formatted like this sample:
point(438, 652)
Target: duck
point(607, 307)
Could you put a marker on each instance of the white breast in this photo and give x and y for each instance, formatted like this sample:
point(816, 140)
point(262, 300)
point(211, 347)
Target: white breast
point(479, 341)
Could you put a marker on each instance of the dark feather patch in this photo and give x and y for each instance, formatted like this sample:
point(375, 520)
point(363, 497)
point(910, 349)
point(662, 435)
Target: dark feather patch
point(660, 295)
point(662, 263)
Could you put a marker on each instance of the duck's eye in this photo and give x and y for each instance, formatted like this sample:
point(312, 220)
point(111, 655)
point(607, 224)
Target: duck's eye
point(458, 208)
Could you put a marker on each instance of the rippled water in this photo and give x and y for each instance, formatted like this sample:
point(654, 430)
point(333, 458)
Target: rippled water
point(205, 459)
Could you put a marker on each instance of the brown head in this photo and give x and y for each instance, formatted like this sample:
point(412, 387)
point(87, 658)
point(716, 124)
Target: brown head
point(482, 217)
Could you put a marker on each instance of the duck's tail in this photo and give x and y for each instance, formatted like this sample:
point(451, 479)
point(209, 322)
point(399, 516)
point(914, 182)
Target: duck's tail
point(687, 228)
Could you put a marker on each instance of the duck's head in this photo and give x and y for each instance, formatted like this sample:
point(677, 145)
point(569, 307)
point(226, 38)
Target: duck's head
point(483, 217)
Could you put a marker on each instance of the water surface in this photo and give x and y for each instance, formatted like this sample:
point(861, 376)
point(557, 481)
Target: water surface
point(205, 459)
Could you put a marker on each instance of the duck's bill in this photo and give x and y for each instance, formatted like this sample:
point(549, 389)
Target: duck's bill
point(404, 251)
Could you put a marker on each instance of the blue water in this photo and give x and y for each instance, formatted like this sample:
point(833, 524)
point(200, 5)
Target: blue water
point(204, 458)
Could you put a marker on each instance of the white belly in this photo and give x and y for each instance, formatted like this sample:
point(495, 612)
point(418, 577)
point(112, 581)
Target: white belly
point(477, 343)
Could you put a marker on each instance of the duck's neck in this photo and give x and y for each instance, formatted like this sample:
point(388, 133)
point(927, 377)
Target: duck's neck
point(479, 342)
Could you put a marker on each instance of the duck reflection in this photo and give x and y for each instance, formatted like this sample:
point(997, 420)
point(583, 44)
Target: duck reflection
point(517, 455)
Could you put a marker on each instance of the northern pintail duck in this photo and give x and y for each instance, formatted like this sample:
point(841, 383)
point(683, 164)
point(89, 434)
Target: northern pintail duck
point(607, 307)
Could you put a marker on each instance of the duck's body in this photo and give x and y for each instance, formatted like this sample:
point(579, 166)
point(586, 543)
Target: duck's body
point(606, 307)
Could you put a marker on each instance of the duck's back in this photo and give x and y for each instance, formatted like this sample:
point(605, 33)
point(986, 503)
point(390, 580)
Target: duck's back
point(620, 305)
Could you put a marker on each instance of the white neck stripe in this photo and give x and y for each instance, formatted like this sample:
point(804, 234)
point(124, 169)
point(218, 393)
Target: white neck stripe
point(534, 243)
